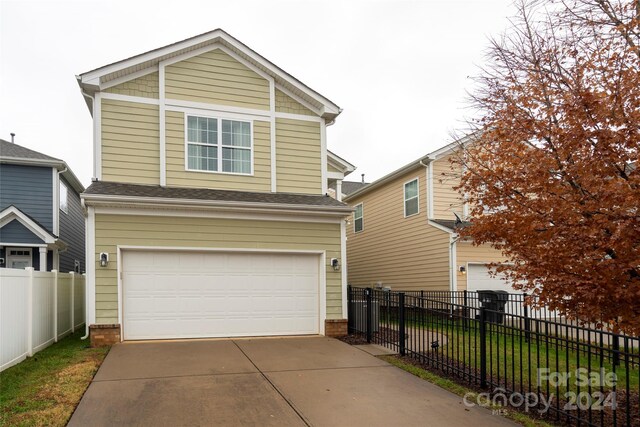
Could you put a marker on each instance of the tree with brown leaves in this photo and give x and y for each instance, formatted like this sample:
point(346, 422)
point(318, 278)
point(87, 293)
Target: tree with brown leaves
point(551, 179)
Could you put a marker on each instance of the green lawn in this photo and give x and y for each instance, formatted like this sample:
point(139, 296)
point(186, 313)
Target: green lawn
point(512, 360)
point(45, 389)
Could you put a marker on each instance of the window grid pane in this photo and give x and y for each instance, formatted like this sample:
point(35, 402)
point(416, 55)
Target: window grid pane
point(203, 145)
point(411, 206)
point(411, 189)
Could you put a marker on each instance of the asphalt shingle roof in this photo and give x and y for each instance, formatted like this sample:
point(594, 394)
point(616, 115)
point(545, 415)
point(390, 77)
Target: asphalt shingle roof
point(451, 223)
point(349, 187)
point(107, 188)
point(8, 149)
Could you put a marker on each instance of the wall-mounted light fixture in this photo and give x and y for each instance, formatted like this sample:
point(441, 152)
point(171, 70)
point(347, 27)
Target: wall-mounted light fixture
point(104, 259)
point(462, 269)
point(335, 264)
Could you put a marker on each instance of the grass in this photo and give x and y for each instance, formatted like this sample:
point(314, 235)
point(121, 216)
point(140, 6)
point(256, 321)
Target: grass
point(45, 389)
point(461, 391)
point(509, 354)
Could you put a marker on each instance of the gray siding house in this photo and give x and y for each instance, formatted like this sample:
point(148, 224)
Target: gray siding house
point(41, 218)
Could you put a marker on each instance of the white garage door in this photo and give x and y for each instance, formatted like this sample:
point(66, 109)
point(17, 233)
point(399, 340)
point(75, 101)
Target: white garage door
point(478, 278)
point(214, 294)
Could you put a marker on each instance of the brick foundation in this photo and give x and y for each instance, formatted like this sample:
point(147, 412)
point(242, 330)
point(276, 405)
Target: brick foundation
point(335, 327)
point(103, 335)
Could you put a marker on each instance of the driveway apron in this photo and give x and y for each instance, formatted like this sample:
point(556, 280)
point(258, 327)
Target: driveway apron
point(293, 381)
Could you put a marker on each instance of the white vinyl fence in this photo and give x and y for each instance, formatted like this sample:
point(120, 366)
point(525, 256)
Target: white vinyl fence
point(36, 309)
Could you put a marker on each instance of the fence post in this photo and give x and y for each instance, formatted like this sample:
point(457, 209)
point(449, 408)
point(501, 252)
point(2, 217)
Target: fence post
point(73, 302)
point(527, 321)
point(483, 348)
point(30, 313)
point(465, 315)
point(616, 350)
point(55, 305)
point(422, 299)
point(367, 293)
point(401, 323)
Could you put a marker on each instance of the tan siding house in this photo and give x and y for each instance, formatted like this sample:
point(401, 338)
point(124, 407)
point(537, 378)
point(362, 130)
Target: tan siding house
point(208, 214)
point(391, 242)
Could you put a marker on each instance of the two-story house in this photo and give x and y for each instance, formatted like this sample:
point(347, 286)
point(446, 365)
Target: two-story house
point(208, 214)
point(403, 233)
point(41, 219)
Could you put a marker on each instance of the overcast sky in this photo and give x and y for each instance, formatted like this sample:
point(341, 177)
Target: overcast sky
point(398, 69)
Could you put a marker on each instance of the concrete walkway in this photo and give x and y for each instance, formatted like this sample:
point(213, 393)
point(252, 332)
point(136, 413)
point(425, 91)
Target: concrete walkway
point(267, 382)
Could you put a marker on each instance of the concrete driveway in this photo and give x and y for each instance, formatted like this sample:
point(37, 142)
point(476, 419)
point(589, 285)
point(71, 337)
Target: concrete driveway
point(264, 382)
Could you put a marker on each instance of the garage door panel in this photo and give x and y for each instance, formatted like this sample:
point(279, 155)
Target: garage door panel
point(211, 294)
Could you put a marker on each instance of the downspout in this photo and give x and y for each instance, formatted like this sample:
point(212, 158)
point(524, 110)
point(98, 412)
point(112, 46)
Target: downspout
point(453, 261)
point(86, 294)
point(84, 207)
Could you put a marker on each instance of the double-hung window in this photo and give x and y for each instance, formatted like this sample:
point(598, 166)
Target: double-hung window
point(219, 145)
point(358, 219)
point(64, 203)
point(411, 205)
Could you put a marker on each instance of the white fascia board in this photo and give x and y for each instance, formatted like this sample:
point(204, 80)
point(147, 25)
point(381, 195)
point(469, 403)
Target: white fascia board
point(339, 163)
point(11, 213)
point(92, 78)
point(96, 200)
point(128, 77)
point(422, 162)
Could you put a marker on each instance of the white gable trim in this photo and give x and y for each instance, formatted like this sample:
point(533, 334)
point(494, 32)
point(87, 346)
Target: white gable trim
point(92, 78)
point(128, 77)
point(12, 213)
point(298, 99)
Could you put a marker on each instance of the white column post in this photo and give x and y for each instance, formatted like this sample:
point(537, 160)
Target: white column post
point(55, 305)
point(30, 313)
point(73, 302)
point(339, 190)
point(43, 259)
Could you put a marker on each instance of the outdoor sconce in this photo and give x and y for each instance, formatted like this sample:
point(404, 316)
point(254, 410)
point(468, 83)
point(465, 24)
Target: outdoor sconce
point(335, 264)
point(104, 259)
point(463, 269)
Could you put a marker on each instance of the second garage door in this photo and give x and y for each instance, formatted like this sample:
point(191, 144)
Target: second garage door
point(185, 294)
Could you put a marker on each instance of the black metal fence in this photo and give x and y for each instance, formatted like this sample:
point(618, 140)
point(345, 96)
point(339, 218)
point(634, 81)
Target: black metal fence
point(532, 360)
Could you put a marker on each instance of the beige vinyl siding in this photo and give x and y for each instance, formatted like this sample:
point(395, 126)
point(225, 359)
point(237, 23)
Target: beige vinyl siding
point(177, 175)
point(298, 153)
point(446, 200)
point(216, 78)
point(286, 104)
point(146, 86)
point(130, 142)
point(114, 230)
point(404, 253)
point(466, 252)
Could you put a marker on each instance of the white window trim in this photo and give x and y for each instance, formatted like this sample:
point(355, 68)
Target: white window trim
point(66, 210)
point(404, 197)
point(362, 217)
point(219, 145)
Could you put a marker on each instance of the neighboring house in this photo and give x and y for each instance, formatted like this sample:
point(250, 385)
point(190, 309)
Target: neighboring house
point(41, 218)
point(208, 214)
point(403, 231)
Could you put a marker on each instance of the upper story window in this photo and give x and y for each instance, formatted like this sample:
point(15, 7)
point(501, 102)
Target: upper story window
point(64, 204)
point(358, 219)
point(219, 145)
point(411, 205)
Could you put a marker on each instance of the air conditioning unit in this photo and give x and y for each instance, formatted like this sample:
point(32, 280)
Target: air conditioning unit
point(358, 316)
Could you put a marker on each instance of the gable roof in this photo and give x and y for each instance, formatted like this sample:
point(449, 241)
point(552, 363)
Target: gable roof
point(15, 151)
point(11, 213)
point(339, 163)
point(420, 162)
point(91, 81)
point(349, 187)
point(12, 153)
